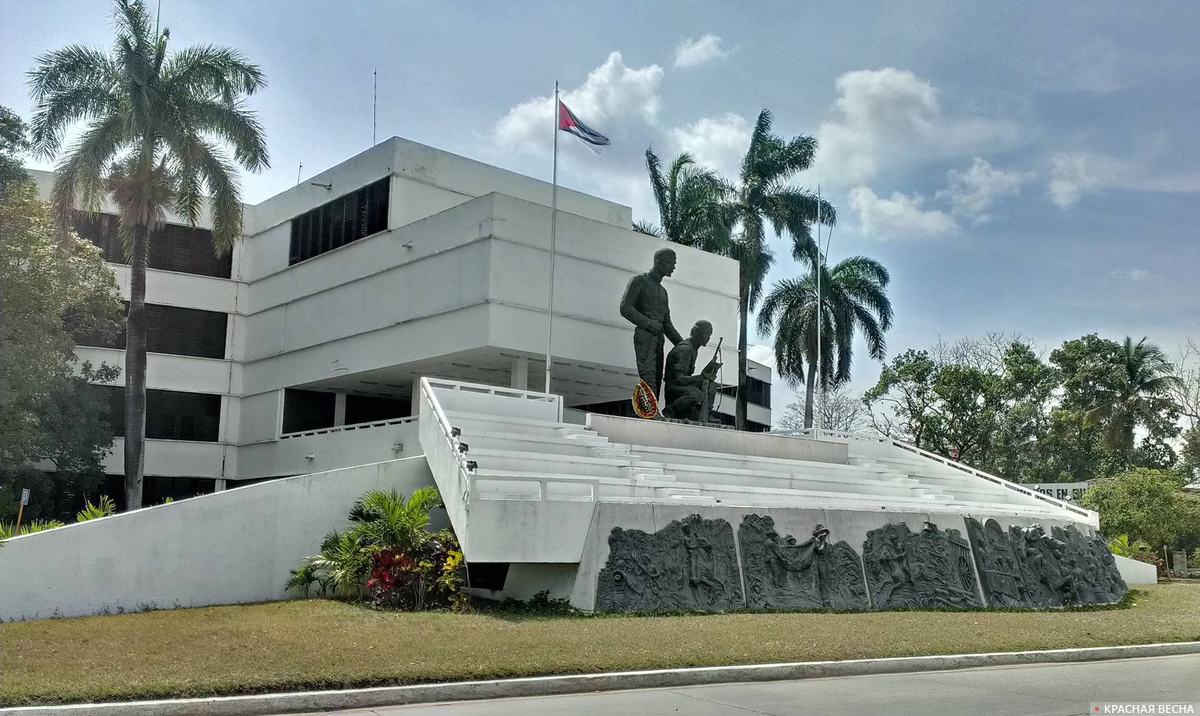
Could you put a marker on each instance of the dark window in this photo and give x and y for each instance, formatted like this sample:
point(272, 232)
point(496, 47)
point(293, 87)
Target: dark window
point(362, 409)
point(617, 408)
point(174, 330)
point(172, 247)
point(337, 223)
point(306, 410)
point(757, 391)
point(156, 490)
point(487, 575)
point(170, 415)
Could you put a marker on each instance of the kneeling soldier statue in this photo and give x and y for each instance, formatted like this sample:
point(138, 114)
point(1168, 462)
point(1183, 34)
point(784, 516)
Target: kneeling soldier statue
point(690, 397)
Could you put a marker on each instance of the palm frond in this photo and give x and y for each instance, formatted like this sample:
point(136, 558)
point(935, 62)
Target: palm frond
point(232, 123)
point(213, 72)
point(81, 174)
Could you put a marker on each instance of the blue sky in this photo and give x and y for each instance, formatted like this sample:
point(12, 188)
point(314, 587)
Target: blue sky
point(1018, 168)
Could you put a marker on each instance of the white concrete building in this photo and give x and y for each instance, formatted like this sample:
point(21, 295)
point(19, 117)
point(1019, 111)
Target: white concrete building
point(383, 326)
point(298, 353)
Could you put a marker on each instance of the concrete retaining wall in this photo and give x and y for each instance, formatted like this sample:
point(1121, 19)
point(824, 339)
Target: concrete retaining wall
point(849, 525)
point(1135, 572)
point(225, 548)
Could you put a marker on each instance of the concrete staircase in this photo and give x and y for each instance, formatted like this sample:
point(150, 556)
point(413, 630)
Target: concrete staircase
point(520, 484)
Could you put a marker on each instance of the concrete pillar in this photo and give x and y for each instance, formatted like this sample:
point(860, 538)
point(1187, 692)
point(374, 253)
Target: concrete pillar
point(339, 409)
point(416, 396)
point(218, 485)
point(520, 374)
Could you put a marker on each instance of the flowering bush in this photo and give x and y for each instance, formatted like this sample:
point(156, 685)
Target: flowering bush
point(389, 556)
point(428, 579)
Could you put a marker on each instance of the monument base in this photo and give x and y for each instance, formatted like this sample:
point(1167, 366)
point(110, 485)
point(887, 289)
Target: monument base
point(645, 558)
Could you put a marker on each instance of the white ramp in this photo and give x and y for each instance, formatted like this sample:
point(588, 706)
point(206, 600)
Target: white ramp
point(229, 547)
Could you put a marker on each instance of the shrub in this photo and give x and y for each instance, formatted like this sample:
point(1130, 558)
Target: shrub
point(1148, 505)
point(104, 508)
point(8, 531)
point(428, 578)
point(1122, 546)
point(389, 556)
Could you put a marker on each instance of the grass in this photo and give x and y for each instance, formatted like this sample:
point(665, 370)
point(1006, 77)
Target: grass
point(316, 644)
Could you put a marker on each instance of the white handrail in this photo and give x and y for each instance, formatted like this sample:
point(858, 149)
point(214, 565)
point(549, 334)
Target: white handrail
point(1093, 518)
point(351, 426)
point(451, 442)
point(530, 395)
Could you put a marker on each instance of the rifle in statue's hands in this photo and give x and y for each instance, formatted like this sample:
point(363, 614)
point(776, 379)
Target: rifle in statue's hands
point(710, 370)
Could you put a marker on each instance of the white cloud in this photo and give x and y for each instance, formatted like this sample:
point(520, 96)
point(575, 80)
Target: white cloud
point(890, 116)
point(718, 143)
point(693, 53)
point(971, 192)
point(900, 217)
point(1136, 274)
point(1073, 174)
point(612, 95)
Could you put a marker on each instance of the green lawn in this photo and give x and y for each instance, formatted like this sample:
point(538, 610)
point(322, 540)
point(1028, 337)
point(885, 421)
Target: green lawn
point(323, 644)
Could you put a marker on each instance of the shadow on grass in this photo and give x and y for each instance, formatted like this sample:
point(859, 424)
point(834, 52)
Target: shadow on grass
point(542, 606)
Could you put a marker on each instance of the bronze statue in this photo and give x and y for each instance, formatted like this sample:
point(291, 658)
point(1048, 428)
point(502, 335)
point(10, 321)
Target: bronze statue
point(690, 397)
point(645, 306)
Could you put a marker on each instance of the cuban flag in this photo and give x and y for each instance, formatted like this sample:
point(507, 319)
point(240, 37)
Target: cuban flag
point(569, 123)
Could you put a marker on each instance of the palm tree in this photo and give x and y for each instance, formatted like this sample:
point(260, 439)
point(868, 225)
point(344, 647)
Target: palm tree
point(764, 196)
point(1133, 392)
point(158, 129)
point(388, 520)
point(692, 204)
point(854, 298)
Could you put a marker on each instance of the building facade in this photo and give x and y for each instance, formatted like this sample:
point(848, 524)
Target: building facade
point(298, 351)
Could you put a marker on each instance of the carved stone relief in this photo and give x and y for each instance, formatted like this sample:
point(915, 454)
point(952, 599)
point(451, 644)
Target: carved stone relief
point(1025, 567)
point(931, 568)
point(690, 564)
point(781, 574)
point(1000, 567)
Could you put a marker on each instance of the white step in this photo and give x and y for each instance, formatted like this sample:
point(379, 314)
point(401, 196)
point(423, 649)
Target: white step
point(482, 421)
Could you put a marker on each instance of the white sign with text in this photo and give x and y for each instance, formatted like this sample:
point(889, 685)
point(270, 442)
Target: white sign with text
point(1069, 491)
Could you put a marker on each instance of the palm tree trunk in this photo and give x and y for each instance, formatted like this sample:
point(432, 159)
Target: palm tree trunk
point(809, 389)
point(739, 418)
point(135, 371)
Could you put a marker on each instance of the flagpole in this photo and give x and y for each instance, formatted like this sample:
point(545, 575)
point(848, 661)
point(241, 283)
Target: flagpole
point(553, 237)
point(820, 319)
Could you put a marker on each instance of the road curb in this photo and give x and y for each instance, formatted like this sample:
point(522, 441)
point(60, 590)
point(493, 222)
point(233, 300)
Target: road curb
point(263, 704)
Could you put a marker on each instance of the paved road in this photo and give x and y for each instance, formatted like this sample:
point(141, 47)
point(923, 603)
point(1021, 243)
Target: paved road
point(1049, 689)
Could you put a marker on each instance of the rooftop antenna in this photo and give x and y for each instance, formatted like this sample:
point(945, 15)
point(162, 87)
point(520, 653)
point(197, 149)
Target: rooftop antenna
point(298, 173)
point(374, 100)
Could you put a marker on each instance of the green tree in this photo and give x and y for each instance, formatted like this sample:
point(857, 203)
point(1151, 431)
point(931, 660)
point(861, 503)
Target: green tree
point(853, 299)
point(13, 143)
point(763, 196)
point(1027, 391)
point(1135, 391)
point(1190, 465)
point(48, 410)
point(1147, 505)
point(692, 204)
point(158, 125)
point(989, 403)
point(905, 397)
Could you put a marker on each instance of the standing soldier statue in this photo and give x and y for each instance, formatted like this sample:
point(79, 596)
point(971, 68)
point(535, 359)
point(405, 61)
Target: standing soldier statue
point(645, 306)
